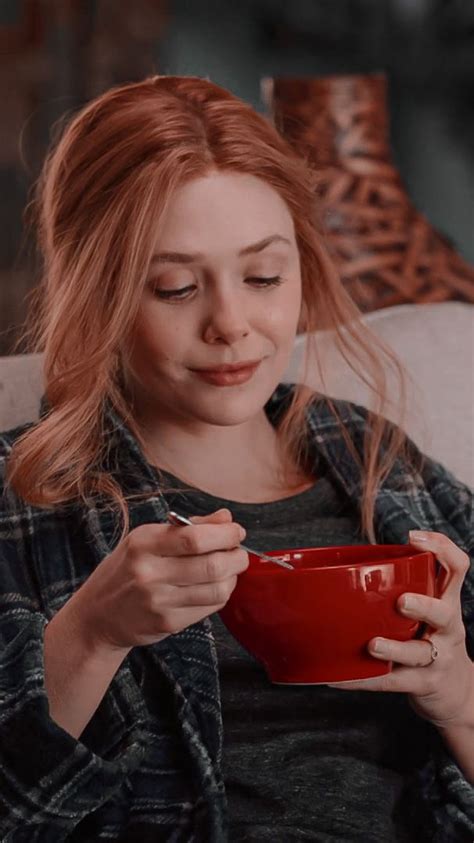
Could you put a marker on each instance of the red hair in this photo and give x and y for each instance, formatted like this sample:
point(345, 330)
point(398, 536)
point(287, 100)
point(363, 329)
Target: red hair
point(104, 186)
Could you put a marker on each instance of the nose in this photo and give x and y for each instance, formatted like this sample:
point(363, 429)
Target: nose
point(226, 320)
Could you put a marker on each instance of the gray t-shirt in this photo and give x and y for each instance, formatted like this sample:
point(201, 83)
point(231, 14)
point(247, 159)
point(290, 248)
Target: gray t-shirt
point(309, 762)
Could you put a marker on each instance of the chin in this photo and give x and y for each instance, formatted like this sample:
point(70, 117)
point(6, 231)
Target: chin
point(231, 408)
point(225, 416)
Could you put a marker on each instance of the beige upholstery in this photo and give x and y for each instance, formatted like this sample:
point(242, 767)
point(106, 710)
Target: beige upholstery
point(434, 341)
point(21, 387)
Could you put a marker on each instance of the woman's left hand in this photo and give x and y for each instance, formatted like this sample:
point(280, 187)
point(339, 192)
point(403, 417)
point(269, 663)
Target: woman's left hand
point(439, 690)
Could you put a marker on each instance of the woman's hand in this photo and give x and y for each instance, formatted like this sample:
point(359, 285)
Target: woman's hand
point(159, 580)
point(441, 690)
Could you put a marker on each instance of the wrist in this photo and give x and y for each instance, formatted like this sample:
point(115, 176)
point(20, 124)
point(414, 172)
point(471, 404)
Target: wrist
point(458, 735)
point(77, 619)
point(463, 720)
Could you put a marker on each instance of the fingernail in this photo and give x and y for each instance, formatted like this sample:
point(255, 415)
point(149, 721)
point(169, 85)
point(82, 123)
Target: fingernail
point(417, 536)
point(243, 532)
point(379, 646)
point(409, 603)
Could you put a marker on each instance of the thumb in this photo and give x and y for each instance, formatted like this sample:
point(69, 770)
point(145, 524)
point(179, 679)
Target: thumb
point(220, 516)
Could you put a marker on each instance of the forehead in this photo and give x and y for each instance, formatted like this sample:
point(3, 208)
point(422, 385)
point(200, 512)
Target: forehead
point(223, 211)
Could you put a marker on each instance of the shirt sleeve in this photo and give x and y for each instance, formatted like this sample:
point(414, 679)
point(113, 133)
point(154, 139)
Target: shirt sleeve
point(444, 785)
point(49, 781)
point(455, 501)
point(447, 508)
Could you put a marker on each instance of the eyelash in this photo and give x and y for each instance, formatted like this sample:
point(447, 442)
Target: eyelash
point(169, 295)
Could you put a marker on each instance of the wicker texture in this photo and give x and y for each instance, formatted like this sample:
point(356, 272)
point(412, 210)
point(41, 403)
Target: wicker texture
point(387, 252)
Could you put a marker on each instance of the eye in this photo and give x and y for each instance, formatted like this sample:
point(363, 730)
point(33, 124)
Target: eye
point(176, 295)
point(168, 295)
point(265, 282)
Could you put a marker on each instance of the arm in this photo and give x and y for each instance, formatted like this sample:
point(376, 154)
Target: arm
point(49, 781)
point(459, 738)
point(77, 671)
point(442, 502)
point(448, 779)
point(48, 778)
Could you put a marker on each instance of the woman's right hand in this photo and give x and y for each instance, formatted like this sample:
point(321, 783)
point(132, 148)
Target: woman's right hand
point(161, 579)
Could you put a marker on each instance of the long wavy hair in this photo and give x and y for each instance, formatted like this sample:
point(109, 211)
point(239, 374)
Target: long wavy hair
point(105, 184)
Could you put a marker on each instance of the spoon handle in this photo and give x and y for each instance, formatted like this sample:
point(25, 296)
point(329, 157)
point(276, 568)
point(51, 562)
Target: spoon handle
point(178, 520)
point(265, 558)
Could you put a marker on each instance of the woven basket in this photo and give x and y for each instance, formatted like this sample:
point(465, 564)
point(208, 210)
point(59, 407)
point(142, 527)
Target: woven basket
point(387, 252)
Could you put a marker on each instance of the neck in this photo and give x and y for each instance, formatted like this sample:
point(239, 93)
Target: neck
point(234, 457)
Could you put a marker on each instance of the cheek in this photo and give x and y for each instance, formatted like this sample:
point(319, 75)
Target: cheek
point(156, 341)
point(284, 314)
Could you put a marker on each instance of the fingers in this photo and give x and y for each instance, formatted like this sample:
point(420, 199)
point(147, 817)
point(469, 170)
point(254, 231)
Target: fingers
point(208, 568)
point(400, 680)
point(204, 594)
point(176, 620)
point(442, 614)
point(168, 540)
point(221, 516)
point(439, 614)
point(455, 562)
point(407, 653)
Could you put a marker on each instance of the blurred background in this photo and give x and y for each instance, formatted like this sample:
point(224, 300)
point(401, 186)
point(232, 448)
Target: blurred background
point(55, 55)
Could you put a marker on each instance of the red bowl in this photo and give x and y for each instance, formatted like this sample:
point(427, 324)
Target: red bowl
point(312, 625)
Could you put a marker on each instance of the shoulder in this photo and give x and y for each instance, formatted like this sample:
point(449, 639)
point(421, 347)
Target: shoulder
point(328, 419)
point(322, 410)
point(36, 542)
point(327, 415)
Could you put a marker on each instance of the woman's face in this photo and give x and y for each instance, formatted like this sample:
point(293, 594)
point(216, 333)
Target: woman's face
point(224, 287)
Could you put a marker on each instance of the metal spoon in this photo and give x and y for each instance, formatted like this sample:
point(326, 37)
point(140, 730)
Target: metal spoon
point(178, 520)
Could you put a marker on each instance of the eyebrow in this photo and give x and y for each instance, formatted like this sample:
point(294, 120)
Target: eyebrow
point(182, 257)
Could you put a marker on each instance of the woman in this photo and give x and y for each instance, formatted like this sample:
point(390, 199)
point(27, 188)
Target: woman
point(179, 238)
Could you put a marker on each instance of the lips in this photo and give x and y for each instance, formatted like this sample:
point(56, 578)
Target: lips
point(230, 376)
point(230, 367)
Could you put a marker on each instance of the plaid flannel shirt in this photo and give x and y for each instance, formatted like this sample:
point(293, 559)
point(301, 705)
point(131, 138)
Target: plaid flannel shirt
point(148, 765)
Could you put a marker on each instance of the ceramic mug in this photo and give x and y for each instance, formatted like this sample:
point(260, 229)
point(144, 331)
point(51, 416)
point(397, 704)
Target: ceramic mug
point(311, 625)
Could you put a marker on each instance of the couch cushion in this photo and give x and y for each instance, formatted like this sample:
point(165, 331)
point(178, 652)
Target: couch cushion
point(21, 388)
point(435, 342)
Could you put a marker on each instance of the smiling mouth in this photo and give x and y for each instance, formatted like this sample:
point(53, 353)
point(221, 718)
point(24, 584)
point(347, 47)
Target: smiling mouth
point(231, 367)
point(232, 377)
